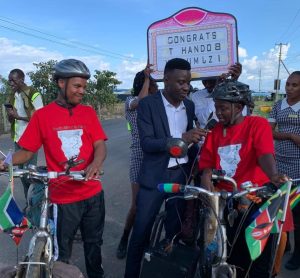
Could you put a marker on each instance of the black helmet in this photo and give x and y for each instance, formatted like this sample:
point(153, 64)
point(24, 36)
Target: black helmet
point(232, 91)
point(70, 68)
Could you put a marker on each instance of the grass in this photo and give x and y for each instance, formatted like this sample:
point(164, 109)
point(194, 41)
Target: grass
point(258, 104)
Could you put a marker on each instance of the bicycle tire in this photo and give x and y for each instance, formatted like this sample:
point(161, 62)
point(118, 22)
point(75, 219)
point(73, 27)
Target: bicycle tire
point(38, 255)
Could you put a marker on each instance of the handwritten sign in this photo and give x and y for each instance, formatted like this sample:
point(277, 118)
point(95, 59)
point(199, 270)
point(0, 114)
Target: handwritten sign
point(206, 39)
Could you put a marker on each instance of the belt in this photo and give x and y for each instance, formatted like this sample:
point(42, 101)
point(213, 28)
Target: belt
point(176, 167)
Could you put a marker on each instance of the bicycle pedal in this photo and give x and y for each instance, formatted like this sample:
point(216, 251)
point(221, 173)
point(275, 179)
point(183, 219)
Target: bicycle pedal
point(233, 214)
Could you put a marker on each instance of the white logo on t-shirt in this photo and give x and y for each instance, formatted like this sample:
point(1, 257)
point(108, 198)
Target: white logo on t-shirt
point(229, 158)
point(71, 142)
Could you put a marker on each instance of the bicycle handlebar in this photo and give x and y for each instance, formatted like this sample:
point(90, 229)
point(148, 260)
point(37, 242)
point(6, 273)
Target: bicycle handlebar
point(75, 175)
point(227, 179)
point(179, 188)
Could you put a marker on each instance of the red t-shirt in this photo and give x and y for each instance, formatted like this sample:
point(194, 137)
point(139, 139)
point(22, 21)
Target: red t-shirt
point(63, 136)
point(237, 149)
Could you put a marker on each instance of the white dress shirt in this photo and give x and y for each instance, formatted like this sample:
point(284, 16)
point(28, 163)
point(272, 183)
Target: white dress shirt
point(177, 120)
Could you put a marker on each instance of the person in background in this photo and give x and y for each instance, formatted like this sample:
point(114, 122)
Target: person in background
point(204, 106)
point(67, 130)
point(143, 85)
point(162, 116)
point(285, 122)
point(23, 101)
point(243, 147)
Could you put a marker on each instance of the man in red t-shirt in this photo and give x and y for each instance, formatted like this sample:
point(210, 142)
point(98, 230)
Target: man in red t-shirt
point(69, 129)
point(243, 147)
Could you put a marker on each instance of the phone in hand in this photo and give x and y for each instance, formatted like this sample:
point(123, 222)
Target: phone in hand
point(8, 106)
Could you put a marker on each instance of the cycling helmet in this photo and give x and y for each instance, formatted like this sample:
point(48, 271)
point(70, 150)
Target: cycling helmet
point(70, 68)
point(232, 91)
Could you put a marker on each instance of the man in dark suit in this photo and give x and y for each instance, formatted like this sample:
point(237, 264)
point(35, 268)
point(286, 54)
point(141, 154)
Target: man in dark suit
point(162, 116)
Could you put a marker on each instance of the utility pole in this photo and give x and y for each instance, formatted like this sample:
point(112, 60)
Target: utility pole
point(277, 82)
point(259, 82)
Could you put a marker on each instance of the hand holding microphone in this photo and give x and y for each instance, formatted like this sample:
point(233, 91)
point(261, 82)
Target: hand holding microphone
point(193, 136)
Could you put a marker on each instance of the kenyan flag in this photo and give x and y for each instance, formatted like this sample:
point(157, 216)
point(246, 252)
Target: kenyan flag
point(257, 233)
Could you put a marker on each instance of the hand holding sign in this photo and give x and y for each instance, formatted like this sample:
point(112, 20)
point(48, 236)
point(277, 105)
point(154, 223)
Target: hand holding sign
point(207, 40)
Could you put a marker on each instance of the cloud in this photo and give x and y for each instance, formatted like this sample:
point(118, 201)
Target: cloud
point(242, 52)
point(13, 54)
point(16, 55)
point(127, 70)
point(261, 71)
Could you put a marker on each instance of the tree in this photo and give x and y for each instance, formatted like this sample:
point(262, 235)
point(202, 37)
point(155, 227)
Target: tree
point(100, 89)
point(4, 90)
point(42, 80)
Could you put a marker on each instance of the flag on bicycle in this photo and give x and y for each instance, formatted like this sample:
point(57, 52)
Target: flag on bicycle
point(12, 220)
point(295, 197)
point(265, 222)
point(8, 161)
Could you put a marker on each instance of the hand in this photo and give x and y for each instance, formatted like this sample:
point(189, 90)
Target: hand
point(194, 135)
point(92, 171)
point(235, 71)
point(3, 166)
point(148, 70)
point(12, 114)
point(253, 198)
point(279, 179)
point(296, 139)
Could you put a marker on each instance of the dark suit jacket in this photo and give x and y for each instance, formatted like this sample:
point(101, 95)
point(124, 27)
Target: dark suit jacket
point(153, 132)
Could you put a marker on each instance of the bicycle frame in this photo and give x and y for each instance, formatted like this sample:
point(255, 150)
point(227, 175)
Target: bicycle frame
point(219, 200)
point(43, 248)
point(42, 232)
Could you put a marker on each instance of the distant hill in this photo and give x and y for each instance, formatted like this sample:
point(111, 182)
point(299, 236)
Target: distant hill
point(122, 91)
point(122, 94)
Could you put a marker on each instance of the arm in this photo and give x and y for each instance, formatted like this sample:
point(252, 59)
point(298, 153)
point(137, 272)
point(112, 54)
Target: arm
point(234, 71)
point(13, 115)
point(268, 165)
point(206, 179)
point(19, 157)
point(285, 136)
point(145, 122)
point(37, 101)
point(93, 170)
point(145, 89)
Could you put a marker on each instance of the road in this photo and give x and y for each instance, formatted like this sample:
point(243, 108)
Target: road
point(117, 201)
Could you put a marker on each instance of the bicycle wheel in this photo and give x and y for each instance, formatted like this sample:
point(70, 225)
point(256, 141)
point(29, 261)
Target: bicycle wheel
point(38, 256)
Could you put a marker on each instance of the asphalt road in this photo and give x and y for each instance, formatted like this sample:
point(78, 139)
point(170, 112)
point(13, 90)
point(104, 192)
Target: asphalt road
point(117, 199)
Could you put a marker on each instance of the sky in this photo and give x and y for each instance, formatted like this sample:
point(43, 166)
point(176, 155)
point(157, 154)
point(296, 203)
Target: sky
point(111, 34)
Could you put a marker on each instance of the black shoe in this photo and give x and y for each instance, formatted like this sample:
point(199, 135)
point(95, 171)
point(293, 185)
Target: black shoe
point(287, 247)
point(122, 249)
point(293, 263)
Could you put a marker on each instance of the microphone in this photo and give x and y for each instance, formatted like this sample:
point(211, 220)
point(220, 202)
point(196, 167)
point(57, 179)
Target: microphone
point(210, 124)
point(170, 188)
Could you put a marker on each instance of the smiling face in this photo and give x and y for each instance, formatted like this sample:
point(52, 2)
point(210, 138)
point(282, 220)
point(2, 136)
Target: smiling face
point(75, 89)
point(177, 85)
point(228, 113)
point(292, 88)
point(15, 81)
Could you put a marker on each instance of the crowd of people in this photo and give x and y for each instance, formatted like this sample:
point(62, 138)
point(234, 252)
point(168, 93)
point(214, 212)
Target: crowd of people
point(238, 143)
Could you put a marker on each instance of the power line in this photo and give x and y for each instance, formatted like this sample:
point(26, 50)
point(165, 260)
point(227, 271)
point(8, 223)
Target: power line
point(289, 26)
point(63, 41)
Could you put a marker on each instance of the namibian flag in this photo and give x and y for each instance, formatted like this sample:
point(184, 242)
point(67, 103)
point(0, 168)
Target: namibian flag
point(257, 233)
point(10, 215)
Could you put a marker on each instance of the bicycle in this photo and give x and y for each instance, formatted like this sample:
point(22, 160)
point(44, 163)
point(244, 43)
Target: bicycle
point(219, 198)
point(159, 253)
point(40, 256)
